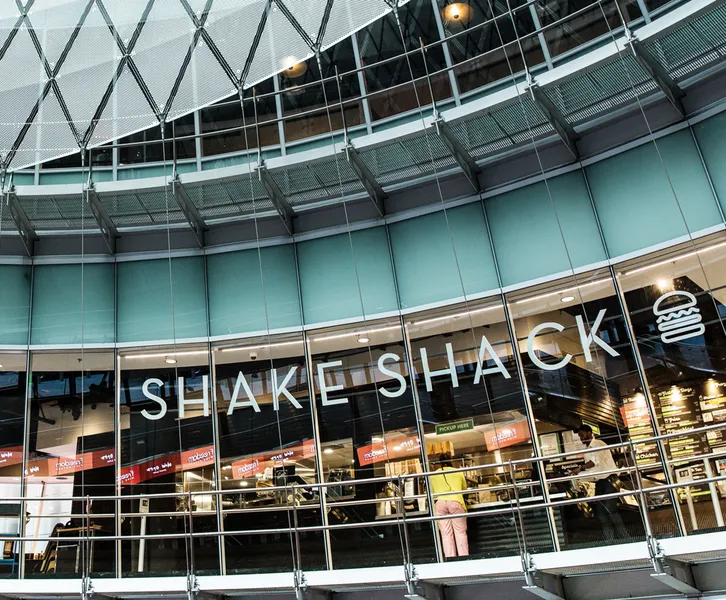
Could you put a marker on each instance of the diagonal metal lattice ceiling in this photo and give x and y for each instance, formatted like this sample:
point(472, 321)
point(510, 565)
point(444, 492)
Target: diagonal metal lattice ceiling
point(77, 73)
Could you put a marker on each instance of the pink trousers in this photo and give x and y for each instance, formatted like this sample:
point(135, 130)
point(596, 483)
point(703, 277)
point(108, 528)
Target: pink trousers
point(453, 531)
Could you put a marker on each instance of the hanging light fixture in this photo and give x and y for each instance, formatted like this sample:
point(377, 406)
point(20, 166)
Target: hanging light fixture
point(458, 12)
point(293, 67)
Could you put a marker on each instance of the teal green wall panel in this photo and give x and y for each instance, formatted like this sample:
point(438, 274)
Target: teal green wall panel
point(528, 233)
point(145, 303)
point(634, 200)
point(14, 304)
point(328, 281)
point(428, 267)
point(711, 136)
point(236, 298)
point(65, 313)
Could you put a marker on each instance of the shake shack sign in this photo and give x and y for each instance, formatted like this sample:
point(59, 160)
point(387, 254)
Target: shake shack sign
point(243, 396)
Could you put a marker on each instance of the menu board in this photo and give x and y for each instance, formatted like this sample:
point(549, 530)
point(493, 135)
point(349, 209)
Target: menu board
point(712, 401)
point(679, 410)
point(636, 417)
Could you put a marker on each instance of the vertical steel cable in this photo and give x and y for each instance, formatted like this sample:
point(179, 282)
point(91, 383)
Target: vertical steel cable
point(356, 270)
point(630, 39)
point(545, 179)
point(268, 337)
point(175, 384)
point(521, 537)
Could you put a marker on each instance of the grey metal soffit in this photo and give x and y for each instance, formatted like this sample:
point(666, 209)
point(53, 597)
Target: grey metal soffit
point(81, 73)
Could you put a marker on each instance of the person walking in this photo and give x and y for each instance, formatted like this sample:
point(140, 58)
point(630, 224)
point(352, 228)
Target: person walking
point(453, 530)
point(599, 466)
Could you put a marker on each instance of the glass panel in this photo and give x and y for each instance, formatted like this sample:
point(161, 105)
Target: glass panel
point(266, 441)
point(12, 425)
point(367, 425)
point(57, 300)
point(302, 93)
point(167, 448)
point(14, 304)
point(70, 456)
point(334, 283)
point(568, 229)
point(185, 148)
point(146, 310)
point(676, 305)
point(573, 381)
point(571, 23)
point(476, 35)
point(228, 115)
point(252, 301)
point(475, 419)
point(443, 250)
point(388, 85)
point(631, 187)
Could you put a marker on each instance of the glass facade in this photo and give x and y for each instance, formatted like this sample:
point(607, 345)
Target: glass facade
point(218, 450)
point(539, 365)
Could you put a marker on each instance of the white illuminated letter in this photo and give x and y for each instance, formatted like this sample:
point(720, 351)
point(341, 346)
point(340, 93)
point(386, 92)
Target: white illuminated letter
point(242, 383)
point(397, 376)
point(451, 369)
point(589, 338)
point(498, 366)
point(282, 389)
point(183, 402)
point(324, 389)
point(155, 398)
point(533, 356)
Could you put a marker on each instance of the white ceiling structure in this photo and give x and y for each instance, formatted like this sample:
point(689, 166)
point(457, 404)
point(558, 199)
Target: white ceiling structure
point(77, 73)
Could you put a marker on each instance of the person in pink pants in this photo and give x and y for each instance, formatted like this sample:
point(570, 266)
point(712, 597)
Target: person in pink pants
point(453, 530)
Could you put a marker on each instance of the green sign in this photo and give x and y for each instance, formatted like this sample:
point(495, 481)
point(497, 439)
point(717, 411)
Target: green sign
point(454, 427)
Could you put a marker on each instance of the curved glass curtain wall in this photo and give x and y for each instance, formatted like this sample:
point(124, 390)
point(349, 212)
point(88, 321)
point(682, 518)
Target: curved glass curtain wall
point(486, 332)
point(472, 47)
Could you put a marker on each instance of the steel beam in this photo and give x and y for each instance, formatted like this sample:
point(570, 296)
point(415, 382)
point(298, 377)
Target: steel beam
point(22, 223)
point(361, 170)
point(190, 212)
point(423, 590)
point(459, 153)
point(560, 124)
point(676, 575)
point(661, 77)
point(544, 585)
point(274, 193)
point(104, 222)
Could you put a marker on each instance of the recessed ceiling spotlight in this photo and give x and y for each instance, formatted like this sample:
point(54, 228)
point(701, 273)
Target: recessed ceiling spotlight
point(293, 67)
point(170, 361)
point(458, 12)
point(363, 339)
point(567, 298)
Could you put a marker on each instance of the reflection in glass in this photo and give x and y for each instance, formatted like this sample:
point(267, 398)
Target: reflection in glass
point(676, 305)
point(367, 428)
point(388, 84)
point(580, 371)
point(167, 447)
point(12, 426)
point(265, 441)
point(474, 415)
point(70, 453)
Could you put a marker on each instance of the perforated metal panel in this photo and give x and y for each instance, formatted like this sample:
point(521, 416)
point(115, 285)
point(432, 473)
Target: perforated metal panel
point(604, 88)
point(693, 47)
point(84, 76)
point(280, 48)
point(50, 135)
point(182, 55)
point(126, 111)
